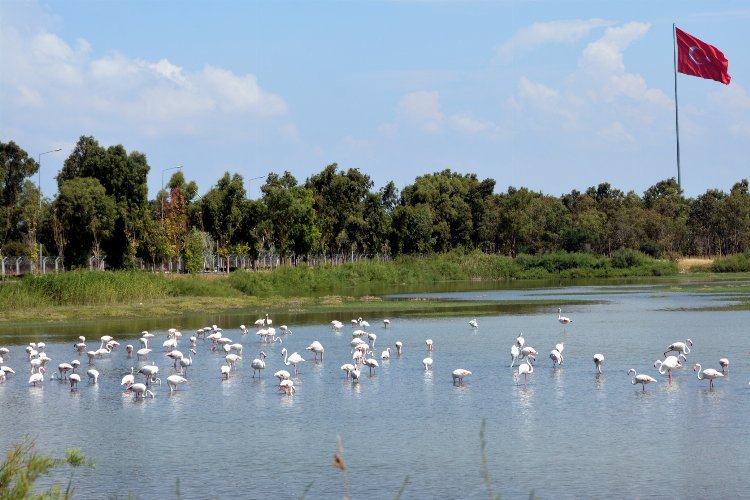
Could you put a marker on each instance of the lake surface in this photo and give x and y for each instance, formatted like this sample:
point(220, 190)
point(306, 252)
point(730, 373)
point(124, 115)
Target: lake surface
point(568, 433)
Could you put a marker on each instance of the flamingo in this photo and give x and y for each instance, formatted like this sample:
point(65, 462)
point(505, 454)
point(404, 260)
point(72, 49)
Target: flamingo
point(427, 362)
point(355, 374)
point(459, 374)
point(287, 386)
point(175, 355)
point(708, 373)
point(528, 351)
point(173, 380)
point(74, 379)
point(36, 378)
point(185, 363)
point(514, 353)
point(63, 368)
point(640, 379)
point(473, 323)
point(560, 347)
point(524, 369)
point(258, 364)
point(93, 375)
point(128, 379)
point(282, 375)
point(669, 364)
point(316, 348)
point(294, 359)
point(363, 323)
point(232, 359)
point(598, 360)
point(336, 324)
point(285, 330)
point(556, 357)
point(562, 319)
point(141, 391)
point(680, 347)
point(347, 368)
point(386, 354)
point(243, 330)
point(372, 337)
point(399, 345)
point(129, 350)
point(724, 363)
point(520, 341)
point(386, 323)
point(429, 344)
point(372, 363)
point(225, 369)
point(150, 372)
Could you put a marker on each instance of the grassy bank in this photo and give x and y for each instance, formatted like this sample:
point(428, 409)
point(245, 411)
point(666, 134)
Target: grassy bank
point(77, 295)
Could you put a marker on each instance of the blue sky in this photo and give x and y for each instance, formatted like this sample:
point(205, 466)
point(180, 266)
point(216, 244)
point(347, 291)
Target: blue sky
point(550, 95)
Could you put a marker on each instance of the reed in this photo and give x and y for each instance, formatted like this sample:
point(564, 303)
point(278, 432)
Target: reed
point(736, 263)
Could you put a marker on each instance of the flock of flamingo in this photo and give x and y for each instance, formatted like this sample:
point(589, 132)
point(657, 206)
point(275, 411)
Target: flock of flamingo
point(362, 352)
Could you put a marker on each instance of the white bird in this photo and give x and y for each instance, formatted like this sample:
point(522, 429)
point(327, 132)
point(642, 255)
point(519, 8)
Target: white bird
point(93, 375)
point(258, 364)
point(640, 379)
point(427, 362)
point(347, 368)
point(232, 359)
point(670, 363)
point(514, 353)
point(459, 374)
point(173, 380)
point(708, 373)
point(528, 351)
point(473, 323)
point(285, 330)
point(225, 369)
point(129, 350)
point(150, 372)
point(525, 369)
point(175, 355)
point(336, 324)
point(386, 354)
point(372, 337)
point(386, 323)
point(363, 323)
point(680, 347)
point(355, 374)
point(36, 378)
point(562, 319)
point(598, 360)
point(287, 386)
point(399, 346)
point(294, 359)
point(520, 341)
point(243, 330)
point(316, 348)
point(282, 375)
point(372, 363)
point(556, 357)
point(141, 391)
point(74, 379)
point(128, 379)
point(560, 347)
point(185, 363)
point(429, 344)
point(724, 363)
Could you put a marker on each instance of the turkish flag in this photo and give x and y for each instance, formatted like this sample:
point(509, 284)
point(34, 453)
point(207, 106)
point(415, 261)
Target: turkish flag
point(697, 58)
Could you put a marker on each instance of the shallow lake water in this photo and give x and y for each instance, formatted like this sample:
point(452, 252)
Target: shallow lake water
point(567, 433)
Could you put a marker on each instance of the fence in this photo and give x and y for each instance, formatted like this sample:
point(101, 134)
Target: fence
point(18, 266)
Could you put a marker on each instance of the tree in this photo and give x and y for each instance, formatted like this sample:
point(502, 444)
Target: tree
point(222, 211)
point(87, 212)
point(15, 167)
point(667, 222)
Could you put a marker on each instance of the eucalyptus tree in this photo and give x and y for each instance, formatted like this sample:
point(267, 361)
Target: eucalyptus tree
point(222, 210)
point(88, 217)
point(705, 223)
point(735, 214)
point(412, 229)
point(15, 168)
point(291, 216)
point(338, 201)
point(666, 216)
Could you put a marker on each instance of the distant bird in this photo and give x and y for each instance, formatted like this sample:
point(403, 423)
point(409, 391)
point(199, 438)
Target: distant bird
point(562, 319)
point(316, 348)
point(74, 379)
point(141, 391)
point(724, 363)
point(528, 351)
point(429, 344)
point(372, 363)
point(243, 330)
point(129, 349)
point(36, 378)
point(355, 374)
point(285, 330)
point(560, 347)
point(287, 386)
point(459, 374)
point(386, 323)
point(282, 375)
point(295, 359)
point(399, 345)
point(669, 364)
point(708, 373)
point(514, 353)
point(680, 347)
point(525, 369)
point(640, 379)
point(427, 362)
point(173, 380)
point(386, 354)
point(372, 337)
point(347, 368)
point(473, 323)
point(598, 360)
point(336, 324)
point(556, 357)
point(93, 375)
point(520, 341)
point(225, 369)
point(258, 364)
point(128, 379)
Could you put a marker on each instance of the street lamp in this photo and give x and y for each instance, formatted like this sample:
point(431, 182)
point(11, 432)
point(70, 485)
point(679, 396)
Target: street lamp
point(162, 187)
point(39, 187)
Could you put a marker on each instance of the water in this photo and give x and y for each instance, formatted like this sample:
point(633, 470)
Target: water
point(569, 433)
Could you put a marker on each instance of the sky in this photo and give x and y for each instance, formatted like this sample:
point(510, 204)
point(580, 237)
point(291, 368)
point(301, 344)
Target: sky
point(554, 96)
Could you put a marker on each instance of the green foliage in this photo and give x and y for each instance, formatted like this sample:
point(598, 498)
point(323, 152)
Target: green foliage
point(23, 466)
point(194, 252)
point(737, 263)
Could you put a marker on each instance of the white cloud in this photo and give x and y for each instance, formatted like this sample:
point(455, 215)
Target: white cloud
point(615, 132)
point(530, 37)
point(423, 107)
point(605, 55)
point(735, 102)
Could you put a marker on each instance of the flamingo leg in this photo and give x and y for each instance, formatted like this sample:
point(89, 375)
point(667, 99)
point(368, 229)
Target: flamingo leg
point(670, 377)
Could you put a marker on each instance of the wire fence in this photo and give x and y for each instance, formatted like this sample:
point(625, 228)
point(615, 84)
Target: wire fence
point(212, 263)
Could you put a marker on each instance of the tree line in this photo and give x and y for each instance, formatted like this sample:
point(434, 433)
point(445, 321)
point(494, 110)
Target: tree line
point(102, 209)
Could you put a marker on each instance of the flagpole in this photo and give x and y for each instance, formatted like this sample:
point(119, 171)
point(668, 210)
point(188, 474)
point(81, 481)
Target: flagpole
point(676, 115)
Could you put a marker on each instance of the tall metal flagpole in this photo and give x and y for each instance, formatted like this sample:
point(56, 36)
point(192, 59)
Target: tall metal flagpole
point(676, 116)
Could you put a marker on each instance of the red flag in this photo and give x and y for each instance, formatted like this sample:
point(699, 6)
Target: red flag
point(697, 58)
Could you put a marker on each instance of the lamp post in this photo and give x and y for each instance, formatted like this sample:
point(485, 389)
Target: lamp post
point(39, 187)
point(162, 187)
